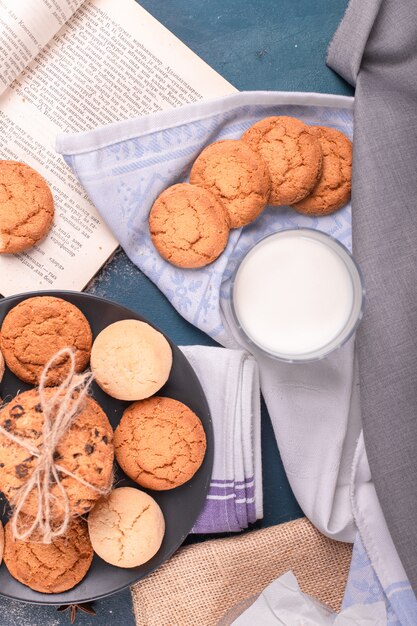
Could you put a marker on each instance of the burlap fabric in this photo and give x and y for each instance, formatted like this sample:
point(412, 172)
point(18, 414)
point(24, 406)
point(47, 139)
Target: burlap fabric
point(202, 582)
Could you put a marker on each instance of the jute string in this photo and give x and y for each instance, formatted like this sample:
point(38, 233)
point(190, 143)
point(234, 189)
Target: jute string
point(59, 412)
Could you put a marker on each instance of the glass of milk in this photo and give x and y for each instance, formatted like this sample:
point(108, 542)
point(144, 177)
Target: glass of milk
point(297, 295)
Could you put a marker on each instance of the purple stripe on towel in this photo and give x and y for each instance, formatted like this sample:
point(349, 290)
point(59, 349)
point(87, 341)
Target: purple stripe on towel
point(241, 512)
point(231, 480)
point(251, 511)
point(230, 507)
point(240, 492)
point(217, 516)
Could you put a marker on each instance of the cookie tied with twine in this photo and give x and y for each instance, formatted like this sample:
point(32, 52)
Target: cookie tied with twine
point(56, 451)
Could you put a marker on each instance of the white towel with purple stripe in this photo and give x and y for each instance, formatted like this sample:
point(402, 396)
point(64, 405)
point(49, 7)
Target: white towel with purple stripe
point(230, 380)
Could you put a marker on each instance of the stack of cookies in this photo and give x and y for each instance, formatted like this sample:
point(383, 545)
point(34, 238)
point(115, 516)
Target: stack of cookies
point(278, 161)
point(159, 443)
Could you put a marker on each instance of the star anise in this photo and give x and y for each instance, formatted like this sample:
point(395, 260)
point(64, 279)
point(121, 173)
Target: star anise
point(73, 608)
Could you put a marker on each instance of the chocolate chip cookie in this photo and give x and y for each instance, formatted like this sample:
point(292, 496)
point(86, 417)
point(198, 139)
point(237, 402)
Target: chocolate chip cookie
point(86, 450)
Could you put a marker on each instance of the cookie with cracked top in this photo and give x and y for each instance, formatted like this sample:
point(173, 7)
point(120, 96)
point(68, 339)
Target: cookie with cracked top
point(26, 207)
point(160, 443)
point(86, 450)
point(189, 226)
point(50, 568)
point(237, 175)
point(35, 329)
point(333, 188)
point(127, 527)
point(292, 154)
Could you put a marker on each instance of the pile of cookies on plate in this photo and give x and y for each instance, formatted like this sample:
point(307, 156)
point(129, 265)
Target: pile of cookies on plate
point(159, 442)
point(278, 161)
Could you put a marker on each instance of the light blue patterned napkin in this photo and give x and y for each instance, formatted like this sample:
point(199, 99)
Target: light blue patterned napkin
point(126, 165)
point(314, 408)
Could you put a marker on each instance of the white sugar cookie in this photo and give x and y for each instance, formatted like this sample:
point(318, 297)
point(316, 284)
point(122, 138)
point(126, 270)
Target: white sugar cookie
point(126, 528)
point(131, 360)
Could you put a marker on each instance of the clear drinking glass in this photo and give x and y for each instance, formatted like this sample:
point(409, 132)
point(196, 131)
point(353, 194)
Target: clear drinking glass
point(334, 257)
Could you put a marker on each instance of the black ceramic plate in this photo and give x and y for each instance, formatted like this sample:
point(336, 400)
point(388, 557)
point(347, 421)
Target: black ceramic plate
point(180, 506)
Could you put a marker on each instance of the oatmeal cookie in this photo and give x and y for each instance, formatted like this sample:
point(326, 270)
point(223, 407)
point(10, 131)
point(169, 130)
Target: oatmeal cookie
point(237, 175)
point(292, 154)
point(189, 226)
point(26, 207)
point(333, 189)
point(35, 329)
point(160, 443)
point(50, 568)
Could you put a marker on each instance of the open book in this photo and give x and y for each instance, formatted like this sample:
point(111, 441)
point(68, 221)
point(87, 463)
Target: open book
point(67, 66)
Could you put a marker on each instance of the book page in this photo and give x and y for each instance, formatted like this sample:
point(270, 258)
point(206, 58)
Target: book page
point(111, 61)
point(25, 27)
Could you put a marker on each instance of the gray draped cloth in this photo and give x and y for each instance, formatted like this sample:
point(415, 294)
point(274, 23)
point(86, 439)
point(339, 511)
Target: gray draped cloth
point(375, 49)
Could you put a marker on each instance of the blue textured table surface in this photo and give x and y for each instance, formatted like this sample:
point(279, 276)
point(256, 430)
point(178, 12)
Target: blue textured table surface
point(254, 44)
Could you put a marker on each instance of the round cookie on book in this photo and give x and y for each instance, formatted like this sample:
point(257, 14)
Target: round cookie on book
point(189, 226)
point(26, 207)
point(292, 155)
point(333, 188)
point(36, 329)
point(53, 567)
point(85, 450)
point(160, 443)
point(131, 360)
point(126, 528)
point(237, 175)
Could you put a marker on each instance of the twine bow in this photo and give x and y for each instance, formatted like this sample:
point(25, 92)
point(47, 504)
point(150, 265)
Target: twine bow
point(59, 411)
